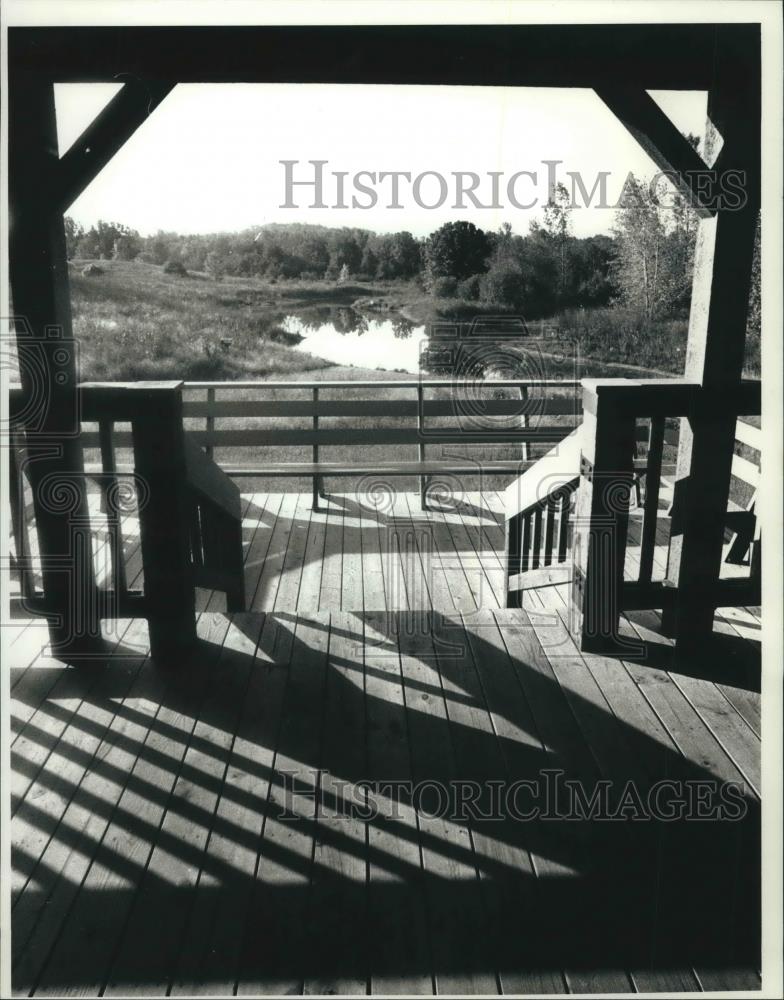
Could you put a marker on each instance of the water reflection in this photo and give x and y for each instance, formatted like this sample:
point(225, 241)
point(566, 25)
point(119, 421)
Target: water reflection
point(346, 337)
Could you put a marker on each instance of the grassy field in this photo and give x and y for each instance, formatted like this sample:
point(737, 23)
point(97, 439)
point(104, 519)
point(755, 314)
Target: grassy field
point(134, 321)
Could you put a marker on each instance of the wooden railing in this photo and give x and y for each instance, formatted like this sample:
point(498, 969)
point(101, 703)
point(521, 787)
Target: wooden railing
point(639, 420)
point(613, 411)
point(538, 529)
point(438, 414)
point(188, 511)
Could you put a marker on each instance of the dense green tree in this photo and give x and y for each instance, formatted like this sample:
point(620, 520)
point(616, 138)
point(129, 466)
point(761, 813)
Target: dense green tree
point(457, 250)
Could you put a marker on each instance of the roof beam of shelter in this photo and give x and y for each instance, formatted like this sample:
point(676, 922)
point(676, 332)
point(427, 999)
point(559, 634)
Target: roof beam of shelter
point(104, 137)
point(669, 149)
point(652, 56)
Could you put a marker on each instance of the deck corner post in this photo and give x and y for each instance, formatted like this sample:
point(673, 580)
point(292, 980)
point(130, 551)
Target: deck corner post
point(716, 342)
point(38, 271)
point(164, 521)
point(601, 519)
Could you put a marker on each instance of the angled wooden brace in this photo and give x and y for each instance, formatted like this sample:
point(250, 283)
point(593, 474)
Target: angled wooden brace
point(661, 140)
point(104, 137)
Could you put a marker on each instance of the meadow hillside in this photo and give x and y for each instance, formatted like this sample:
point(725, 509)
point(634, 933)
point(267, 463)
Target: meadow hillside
point(135, 321)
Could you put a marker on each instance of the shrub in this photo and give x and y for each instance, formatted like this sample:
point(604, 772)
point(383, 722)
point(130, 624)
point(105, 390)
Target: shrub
point(503, 286)
point(215, 265)
point(175, 267)
point(469, 288)
point(444, 288)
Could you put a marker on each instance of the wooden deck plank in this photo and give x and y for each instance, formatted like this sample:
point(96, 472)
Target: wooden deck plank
point(272, 569)
point(81, 958)
point(52, 708)
point(352, 580)
point(487, 539)
point(455, 907)
point(402, 534)
point(168, 890)
point(462, 596)
point(46, 774)
point(590, 711)
point(336, 949)
point(293, 564)
point(272, 955)
point(259, 548)
point(502, 845)
point(61, 868)
point(160, 791)
point(332, 564)
point(399, 961)
point(208, 962)
point(473, 568)
point(714, 869)
point(310, 583)
point(435, 580)
point(369, 542)
point(653, 754)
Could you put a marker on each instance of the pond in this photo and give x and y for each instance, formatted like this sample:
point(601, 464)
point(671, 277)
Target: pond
point(347, 337)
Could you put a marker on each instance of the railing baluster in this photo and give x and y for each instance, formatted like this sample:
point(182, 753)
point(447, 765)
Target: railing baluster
point(210, 426)
point(537, 545)
point(315, 453)
point(563, 525)
point(420, 428)
point(549, 529)
point(514, 537)
point(652, 484)
point(524, 451)
point(525, 555)
point(110, 500)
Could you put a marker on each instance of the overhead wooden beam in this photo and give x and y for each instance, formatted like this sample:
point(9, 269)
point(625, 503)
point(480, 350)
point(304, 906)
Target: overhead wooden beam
point(105, 135)
point(663, 142)
point(663, 56)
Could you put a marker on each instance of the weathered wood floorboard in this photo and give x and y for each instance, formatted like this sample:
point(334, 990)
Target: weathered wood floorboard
point(206, 830)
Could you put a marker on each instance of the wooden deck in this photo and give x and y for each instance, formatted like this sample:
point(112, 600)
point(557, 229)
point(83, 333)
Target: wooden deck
point(225, 827)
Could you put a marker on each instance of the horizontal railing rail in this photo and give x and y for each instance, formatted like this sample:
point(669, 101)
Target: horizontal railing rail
point(443, 412)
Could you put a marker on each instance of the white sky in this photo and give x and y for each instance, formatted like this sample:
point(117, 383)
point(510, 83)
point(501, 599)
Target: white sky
point(207, 159)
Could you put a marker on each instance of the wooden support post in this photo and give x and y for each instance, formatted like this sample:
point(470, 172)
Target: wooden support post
point(48, 368)
point(165, 522)
point(601, 520)
point(715, 351)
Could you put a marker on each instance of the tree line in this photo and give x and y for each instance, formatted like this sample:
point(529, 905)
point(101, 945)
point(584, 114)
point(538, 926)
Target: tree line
point(645, 264)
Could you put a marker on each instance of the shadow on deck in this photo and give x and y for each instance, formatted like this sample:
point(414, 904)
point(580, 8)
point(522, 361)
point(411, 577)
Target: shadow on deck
point(221, 826)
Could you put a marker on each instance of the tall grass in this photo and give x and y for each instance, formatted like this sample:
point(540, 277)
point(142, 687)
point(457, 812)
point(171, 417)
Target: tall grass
point(134, 321)
point(626, 337)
